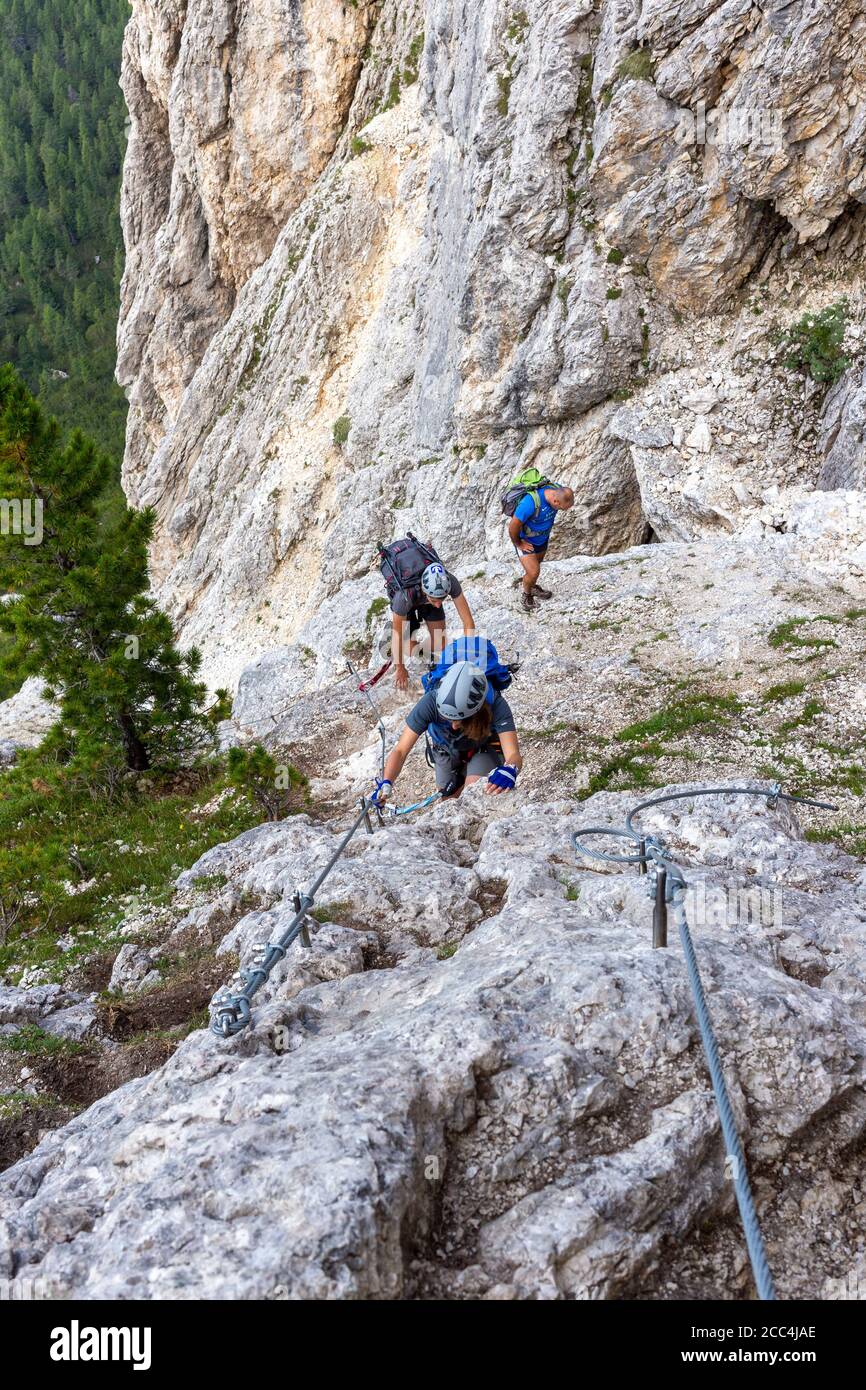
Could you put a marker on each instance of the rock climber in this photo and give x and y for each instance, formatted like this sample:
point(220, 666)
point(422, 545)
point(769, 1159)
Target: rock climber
point(529, 530)
point(472, 735)
point(424, 603)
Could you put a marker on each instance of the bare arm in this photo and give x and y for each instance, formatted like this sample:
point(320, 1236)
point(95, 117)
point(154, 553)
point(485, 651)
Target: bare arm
point(515, 526)
point(464, 613)
point(399, 753)
point(511, 749)
point(398, 626)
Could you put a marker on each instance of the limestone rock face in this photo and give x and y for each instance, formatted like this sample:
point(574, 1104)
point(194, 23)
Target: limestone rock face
point(843, 430)
point(25, 719)
point(234, 112)
point(718, 119)
point(526, 1115)
point(481, 1080)
point(380, 256)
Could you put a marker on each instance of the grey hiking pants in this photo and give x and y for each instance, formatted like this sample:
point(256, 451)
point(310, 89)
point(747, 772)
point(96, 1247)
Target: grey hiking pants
point(446, 764)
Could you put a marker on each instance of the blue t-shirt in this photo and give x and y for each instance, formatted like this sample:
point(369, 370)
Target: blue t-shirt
point(536, 528)
point(424, 718)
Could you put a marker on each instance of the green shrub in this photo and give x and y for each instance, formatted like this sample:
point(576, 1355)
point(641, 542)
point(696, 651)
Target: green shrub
point(375, 611)
point(341, 430)
point(82, 618)
point(815, 344)
point(280, 790)
point(638, 64)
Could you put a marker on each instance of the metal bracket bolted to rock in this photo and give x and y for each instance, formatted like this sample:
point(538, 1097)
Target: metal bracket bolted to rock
point(669, 886)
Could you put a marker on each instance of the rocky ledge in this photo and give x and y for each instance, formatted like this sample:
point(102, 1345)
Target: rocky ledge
point(482, 1081)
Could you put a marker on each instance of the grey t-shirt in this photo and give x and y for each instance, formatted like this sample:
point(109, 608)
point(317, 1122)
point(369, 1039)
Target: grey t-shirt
point(401, 607)
point(423, 717)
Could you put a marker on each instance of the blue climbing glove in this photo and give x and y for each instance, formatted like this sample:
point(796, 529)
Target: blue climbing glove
point(504, 777)
point(382, 792)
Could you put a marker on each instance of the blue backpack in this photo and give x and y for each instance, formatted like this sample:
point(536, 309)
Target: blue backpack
point(481, 653)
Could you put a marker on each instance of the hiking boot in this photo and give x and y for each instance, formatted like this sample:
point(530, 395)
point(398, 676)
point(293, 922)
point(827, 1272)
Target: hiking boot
point(527, 602)
point(538, 592)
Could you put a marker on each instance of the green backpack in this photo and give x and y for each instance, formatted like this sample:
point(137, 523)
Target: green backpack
point(528, 483)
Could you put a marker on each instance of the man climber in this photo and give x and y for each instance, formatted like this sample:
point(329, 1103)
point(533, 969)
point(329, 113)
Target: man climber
point(529, 530)
point(418, 584)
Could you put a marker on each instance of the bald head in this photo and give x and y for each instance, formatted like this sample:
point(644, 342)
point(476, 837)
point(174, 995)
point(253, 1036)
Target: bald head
point(561, 498)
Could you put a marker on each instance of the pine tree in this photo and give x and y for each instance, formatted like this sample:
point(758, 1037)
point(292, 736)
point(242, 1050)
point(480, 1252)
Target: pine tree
point(62, 136)
point(82, 619)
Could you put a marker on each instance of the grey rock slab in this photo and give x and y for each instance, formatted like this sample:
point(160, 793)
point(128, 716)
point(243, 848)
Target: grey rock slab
point(297, 1157)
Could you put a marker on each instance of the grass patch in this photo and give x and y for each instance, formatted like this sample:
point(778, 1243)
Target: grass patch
point(787, 634)
point(355, 649)
point(341, 430)
point(638, 65)
point(375, 611)
point(333, 912)
point(33, 1041)
point(413, 59)
point(681, 716)
point(627, 771)
point(848, 836)
point(560, 727)
point(851, 778)
point(72, 858)
point(503, 82)
point(785, 691)
point(13, 1104)
point(809, 712)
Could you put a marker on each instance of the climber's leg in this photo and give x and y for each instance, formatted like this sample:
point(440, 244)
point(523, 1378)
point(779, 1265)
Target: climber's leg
point(447, 767)
point(436, 628)
point(482, 763)
point(531, 569)
point(426, 613)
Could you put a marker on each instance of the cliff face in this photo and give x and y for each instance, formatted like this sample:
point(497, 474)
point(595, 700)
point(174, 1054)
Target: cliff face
point(235, 112)
point(481, 1080)
point(380, 255)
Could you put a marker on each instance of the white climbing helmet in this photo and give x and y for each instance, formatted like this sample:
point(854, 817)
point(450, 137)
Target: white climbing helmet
point(435, 582)
point(461, 692)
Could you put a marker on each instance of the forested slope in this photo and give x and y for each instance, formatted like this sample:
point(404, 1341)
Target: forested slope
point(62, 138)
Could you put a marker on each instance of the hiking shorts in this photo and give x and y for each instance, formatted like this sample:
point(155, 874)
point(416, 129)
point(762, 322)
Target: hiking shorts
point(446, 764)
point(538, 549)
point(424, 613)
